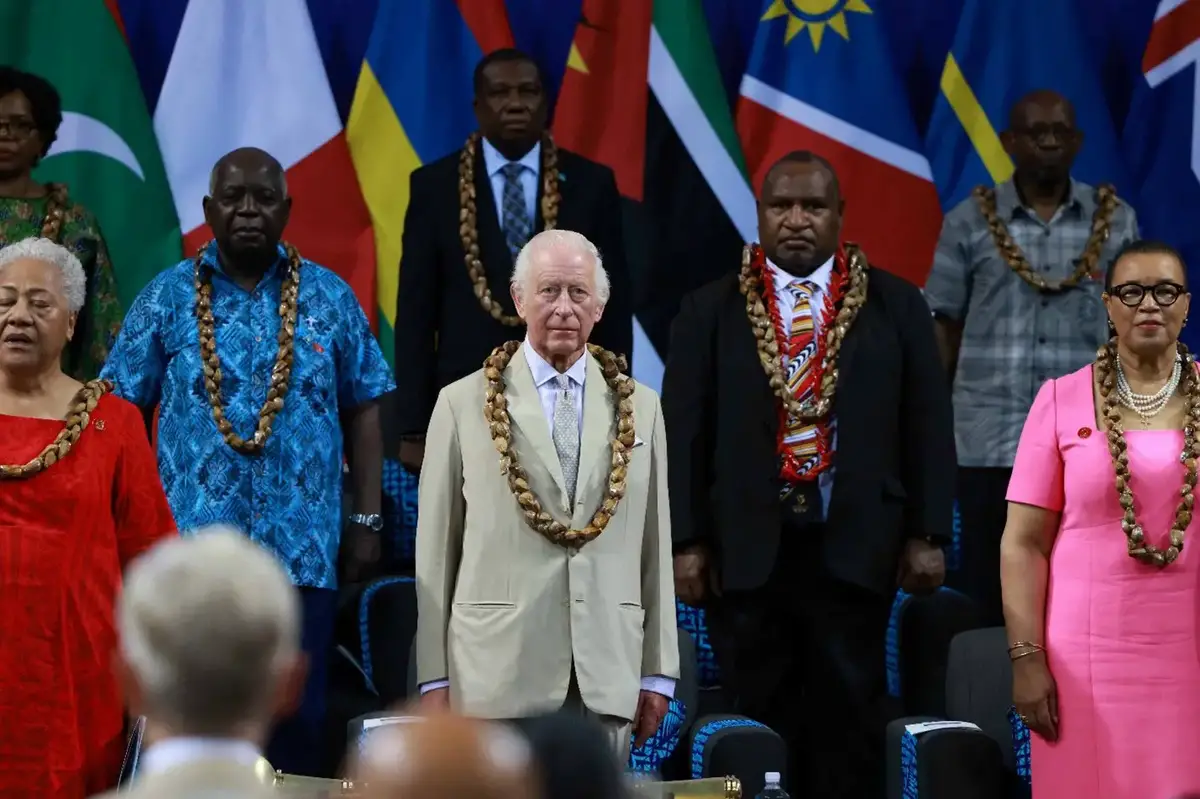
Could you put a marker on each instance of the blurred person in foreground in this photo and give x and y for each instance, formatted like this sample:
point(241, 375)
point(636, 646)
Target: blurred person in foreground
point(210, 655)
point(573, 757)
point(1101, 598)
point(30, 117)
point(543, 560)
point(79, 499)
point(266, 377)
point(447, 757)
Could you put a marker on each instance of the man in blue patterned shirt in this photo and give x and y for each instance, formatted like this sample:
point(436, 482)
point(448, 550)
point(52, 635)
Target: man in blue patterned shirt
point(260, 364)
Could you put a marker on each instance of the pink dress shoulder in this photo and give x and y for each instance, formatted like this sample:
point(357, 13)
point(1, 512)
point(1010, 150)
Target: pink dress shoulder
point(1122, 637)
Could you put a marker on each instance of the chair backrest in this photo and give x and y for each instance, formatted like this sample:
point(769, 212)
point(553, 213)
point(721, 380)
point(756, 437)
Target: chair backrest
point(133, 753)
point(687, 690)
point(979, 684)
point(927, 625)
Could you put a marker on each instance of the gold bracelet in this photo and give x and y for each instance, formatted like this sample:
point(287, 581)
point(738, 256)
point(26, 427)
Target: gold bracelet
point(1026, 653)
point(1026, 645)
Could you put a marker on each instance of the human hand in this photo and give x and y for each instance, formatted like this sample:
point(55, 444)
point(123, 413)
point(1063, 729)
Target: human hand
point(651, 710)
point(1035, 695)
point(922, 567)
point(691, 575)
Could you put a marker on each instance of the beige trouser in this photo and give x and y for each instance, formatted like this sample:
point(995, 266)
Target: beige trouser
point(617, 729)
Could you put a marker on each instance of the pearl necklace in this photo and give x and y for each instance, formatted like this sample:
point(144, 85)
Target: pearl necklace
point(1147, 406)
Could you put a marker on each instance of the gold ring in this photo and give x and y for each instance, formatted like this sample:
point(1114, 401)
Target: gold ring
point(1023, 718)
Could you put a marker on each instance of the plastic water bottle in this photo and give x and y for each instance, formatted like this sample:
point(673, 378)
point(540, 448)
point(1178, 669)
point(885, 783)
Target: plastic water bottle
point(772, 790)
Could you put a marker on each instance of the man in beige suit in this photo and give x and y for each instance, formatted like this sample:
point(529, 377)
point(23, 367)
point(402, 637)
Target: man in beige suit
point(210, 655)
point(543, 544)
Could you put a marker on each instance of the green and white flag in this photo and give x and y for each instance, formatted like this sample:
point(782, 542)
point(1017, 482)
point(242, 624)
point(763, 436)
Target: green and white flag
point(106, 151)
point(687, 85)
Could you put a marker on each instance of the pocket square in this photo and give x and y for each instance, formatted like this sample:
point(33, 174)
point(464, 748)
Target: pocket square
point(637, 442)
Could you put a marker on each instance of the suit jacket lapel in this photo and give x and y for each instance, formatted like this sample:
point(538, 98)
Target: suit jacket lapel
point(525, 409)
point(594, 442)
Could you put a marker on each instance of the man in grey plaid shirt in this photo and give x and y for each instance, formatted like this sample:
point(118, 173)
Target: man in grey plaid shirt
point(1011, 316)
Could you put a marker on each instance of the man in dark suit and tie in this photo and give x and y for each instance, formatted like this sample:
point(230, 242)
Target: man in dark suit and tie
point(810, 439)
point(468, 216)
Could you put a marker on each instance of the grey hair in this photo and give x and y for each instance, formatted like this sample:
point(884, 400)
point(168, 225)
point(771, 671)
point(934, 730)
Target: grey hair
point(550, 239)
point(50, 252)
point(208, 624)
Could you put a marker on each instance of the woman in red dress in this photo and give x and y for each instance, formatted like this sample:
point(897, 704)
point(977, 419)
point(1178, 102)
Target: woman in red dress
point(79, 498)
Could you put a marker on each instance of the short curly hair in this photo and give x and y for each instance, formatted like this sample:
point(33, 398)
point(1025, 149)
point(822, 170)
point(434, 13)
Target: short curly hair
point(44, 101)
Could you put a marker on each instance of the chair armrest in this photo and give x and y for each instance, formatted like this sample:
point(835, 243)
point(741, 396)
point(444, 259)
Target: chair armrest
point(727, 744)
point(932, 758)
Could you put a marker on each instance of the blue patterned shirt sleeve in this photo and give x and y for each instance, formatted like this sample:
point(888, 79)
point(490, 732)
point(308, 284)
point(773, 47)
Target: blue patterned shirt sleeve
point(138, 361)
point(363, 372)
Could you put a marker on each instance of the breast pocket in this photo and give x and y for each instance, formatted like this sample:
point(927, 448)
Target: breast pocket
point(314, 372)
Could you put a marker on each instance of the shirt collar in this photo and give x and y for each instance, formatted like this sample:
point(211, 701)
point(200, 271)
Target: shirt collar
point(175, 752)
point(493, 161)
point(543, 372)
point(210, 259)
point(819, 276)
point(1008, 201)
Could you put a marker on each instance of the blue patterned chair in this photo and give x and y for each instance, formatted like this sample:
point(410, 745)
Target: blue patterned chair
point(918, 646)
point(980, 748)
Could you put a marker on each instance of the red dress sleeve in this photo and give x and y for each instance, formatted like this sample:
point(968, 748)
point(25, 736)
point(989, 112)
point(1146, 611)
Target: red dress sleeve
point(140, 509)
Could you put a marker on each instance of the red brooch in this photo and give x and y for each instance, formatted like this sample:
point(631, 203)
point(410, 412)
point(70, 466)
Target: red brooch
point(1084, 432)
point(317, 346)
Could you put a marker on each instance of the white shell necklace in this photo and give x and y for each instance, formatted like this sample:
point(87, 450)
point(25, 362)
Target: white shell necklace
point(1147, 406)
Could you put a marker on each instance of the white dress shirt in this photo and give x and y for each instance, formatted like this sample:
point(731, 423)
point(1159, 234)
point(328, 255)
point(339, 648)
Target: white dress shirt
point(544, 376)
point(493, 162)
point(174, 752)
point(821, 277)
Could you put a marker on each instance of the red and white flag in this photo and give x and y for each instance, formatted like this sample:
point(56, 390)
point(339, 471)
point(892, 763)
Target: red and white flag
point(250, 74)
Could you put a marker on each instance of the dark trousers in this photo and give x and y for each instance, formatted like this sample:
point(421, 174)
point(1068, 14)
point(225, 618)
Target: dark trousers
point(982, 511)
point(297, 745)
point(804, 655)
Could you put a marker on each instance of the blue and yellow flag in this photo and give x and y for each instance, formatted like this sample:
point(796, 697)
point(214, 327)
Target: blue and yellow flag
point(1002, 51)
point(412, 106)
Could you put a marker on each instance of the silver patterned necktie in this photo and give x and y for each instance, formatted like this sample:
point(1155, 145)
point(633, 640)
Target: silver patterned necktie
point(566, 434)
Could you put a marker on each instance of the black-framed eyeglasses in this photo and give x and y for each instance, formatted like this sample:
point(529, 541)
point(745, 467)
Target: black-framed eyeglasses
point(1132, 294)
point(18, 127)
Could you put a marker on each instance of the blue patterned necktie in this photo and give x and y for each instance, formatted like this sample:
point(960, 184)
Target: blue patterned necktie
point(518, 227)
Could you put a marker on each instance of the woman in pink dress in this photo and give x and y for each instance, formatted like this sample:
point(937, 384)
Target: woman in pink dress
point(1101, 599)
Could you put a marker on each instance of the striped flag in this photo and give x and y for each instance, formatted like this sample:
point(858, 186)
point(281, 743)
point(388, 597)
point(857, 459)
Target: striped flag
point(1162, 136)
point(823, 81)
point(250, 74)
point(413, 106)
point(998, 57)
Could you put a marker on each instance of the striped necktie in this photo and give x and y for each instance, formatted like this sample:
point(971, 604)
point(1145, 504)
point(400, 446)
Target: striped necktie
point(801, 437)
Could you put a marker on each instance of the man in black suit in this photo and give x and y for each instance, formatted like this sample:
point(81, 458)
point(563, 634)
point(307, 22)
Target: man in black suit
point(468, 216)
point(799, 501)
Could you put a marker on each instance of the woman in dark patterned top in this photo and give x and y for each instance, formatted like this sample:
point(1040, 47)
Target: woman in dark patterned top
point(30, 115)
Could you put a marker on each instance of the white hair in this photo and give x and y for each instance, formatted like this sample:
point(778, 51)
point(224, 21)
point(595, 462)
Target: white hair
point(523, 270)
point(208, 623)
point(49, 252)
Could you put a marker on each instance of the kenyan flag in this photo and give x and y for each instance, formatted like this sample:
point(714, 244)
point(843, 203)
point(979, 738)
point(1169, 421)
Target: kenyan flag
point(106, 150)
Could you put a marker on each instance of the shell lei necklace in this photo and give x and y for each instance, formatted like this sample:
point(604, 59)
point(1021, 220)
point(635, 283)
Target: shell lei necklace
point(1147, 406)
point(1108, 367)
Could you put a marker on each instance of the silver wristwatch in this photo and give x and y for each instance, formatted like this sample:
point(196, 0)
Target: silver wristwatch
point(371, 520)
